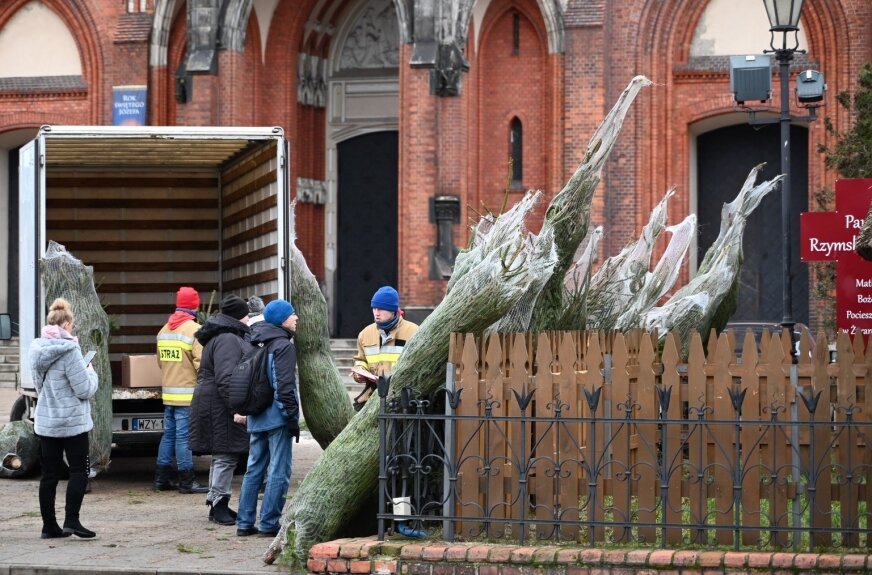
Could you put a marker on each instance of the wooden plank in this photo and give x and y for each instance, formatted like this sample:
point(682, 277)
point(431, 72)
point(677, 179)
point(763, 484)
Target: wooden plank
point(468, 502)
point(697, 443)
point(620, 469)
point(250, 234)
point(593, 380)
point(518, 452)
point(749, 436)
point(495, 432)
point(646, 456)
point(94, 181)
point(252, 256)
point(846, 387)
point(159, 288)
point(129, 246)
point(251, 280)
point(777, 456)
point(262, 206)
point(132, 203)
point(252, 186)
point(154, 266)
point(724, 457)
point(820, 514)
point(564, 381)
point(79, 224)
point(546, 458)
point(673, 452)
point(249, 163)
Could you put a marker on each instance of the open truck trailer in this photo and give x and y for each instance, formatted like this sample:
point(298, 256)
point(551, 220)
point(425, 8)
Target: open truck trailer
point(151, 209)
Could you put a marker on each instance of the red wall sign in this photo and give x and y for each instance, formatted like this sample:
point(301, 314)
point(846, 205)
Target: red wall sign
point(832, 236)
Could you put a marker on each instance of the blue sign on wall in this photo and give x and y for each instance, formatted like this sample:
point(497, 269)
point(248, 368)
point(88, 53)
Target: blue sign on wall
point(129, 105)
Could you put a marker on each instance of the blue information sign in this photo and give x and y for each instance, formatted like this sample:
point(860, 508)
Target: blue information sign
point(128, 105)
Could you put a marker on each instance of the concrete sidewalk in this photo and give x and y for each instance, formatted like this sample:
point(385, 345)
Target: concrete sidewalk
point(138, 530)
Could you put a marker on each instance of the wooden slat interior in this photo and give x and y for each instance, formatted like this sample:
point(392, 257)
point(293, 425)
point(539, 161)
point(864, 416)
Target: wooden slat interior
point(148, 227)
point(250, 224)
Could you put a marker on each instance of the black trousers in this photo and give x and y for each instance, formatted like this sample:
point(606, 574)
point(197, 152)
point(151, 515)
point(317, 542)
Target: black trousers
point(52, 452)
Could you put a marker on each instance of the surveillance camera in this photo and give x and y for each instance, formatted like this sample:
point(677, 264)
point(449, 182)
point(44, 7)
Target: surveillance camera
point(810, 87)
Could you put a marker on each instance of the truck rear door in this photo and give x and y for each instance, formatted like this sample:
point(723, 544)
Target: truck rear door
point(31, 230)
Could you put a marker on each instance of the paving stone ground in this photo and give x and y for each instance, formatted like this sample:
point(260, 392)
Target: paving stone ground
point(137, 529)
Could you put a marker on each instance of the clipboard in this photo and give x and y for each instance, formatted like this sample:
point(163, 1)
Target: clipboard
point(88, 357)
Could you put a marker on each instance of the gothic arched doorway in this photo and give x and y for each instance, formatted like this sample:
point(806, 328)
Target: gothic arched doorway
point(724, 158)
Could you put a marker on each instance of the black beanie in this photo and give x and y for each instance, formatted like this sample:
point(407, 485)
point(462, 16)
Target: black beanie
point(234, 306)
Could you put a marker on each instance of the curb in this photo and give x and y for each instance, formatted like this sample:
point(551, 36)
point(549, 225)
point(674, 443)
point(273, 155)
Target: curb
point(13, 569)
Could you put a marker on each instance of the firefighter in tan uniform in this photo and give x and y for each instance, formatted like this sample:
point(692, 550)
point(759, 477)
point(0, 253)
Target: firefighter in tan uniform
point(380, 344)
point(178, 354)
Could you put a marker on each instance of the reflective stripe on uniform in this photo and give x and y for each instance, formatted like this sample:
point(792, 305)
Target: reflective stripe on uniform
point(186, 397)
point(171, 346)
point(382, 358)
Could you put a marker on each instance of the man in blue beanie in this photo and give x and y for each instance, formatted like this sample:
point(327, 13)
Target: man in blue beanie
point(380, 344)
point(271, 431)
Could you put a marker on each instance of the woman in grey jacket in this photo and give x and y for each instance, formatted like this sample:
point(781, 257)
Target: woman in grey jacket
point(63, 418)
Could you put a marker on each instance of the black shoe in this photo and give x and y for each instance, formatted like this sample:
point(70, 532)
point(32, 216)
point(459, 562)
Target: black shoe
point(187, 483)
point(221, 513)
point(268, 533)
point(71, 528)
point(162, 479)
point(53, 532)
point(246, 531)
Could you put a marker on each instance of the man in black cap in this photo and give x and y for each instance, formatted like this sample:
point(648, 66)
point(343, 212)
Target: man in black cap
point(215, 429)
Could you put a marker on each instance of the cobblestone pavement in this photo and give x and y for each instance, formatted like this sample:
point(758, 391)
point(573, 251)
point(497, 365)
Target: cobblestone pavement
point(138, 530)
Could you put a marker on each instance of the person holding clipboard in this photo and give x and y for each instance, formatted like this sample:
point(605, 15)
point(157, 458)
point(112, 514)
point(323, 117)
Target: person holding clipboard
point(380, 344)
point(65, 382)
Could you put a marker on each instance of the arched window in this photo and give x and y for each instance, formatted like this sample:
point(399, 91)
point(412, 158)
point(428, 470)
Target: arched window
point(516, 151)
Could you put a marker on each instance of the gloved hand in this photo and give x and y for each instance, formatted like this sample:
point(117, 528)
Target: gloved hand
point(294, 429)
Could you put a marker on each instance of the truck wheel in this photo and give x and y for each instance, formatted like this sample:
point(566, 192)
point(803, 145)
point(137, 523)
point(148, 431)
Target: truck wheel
point(19, 408)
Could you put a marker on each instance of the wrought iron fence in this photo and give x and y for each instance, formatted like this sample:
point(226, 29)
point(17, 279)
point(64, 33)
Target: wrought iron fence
point(644, 455)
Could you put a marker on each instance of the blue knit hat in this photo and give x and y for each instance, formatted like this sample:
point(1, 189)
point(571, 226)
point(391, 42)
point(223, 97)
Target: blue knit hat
point(277, 311)
point(386, 298)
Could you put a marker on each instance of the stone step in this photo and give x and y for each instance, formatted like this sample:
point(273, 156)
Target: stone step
point(8, 376)
point(8, 368)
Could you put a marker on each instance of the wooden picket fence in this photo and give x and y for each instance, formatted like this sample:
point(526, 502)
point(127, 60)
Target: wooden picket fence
point(597, 437)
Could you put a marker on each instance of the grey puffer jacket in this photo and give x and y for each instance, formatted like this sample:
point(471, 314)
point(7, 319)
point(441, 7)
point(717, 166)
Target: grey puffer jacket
point(62, 408)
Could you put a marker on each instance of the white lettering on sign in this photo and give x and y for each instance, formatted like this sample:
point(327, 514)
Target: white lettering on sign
point(864, 283)
point(827, 248)
point(852, 222)
point(864, 299)
point(858, 314)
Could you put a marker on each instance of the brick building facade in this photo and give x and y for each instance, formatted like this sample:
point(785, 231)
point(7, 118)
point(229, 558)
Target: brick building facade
point(389, 104)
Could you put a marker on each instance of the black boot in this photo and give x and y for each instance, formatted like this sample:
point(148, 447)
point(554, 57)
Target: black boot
point(212, 510)
point(52, 531)
point(163, 478)
point(221, 514)
point(73, 527)
point(187, 483)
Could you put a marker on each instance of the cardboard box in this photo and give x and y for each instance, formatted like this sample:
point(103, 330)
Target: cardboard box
point(140, 371)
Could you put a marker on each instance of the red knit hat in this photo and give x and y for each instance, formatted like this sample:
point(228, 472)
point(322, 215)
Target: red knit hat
point(188, 298)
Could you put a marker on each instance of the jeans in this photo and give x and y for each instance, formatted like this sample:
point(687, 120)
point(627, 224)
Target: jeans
point(221, 475)
point(52, 452)
point(270, 454)
point(174, 442)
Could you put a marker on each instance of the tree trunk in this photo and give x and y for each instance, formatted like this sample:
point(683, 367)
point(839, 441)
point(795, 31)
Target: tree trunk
point(19, 449)
point(65, 276)
point(345, 476)
point(864, 242)
point(324, 400)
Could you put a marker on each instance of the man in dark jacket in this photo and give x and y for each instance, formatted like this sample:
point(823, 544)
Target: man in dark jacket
point(272, 430)
point(214, 428)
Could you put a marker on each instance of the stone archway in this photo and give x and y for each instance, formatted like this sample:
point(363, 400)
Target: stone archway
point(362, 106)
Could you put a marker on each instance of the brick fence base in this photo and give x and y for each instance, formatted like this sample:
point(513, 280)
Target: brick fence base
point(407, 558)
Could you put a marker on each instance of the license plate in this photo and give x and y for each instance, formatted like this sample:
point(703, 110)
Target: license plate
point(147, 424)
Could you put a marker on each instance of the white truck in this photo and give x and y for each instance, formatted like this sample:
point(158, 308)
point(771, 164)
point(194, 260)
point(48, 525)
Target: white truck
point(151, 209)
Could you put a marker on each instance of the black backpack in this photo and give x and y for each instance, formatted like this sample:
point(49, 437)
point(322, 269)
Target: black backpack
point(250, 391)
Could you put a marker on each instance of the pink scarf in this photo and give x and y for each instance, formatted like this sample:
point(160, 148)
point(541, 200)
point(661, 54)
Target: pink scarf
point(57, 332)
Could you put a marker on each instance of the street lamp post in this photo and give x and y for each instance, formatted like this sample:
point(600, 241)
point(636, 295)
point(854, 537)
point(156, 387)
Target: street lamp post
point(784, 19)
